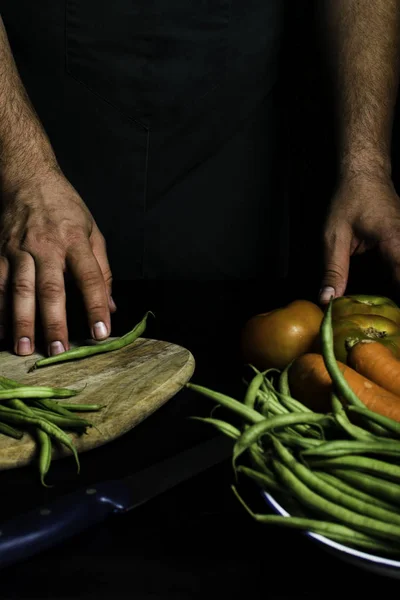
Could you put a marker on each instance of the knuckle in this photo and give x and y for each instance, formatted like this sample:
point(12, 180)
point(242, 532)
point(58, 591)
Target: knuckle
point(23, 324)
point(98, 308)
point(55, 330)
point(23, 287)
point(51, 290)
point(91, 279)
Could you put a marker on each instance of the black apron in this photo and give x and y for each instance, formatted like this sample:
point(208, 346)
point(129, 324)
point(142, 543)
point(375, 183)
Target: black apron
point(164, 116)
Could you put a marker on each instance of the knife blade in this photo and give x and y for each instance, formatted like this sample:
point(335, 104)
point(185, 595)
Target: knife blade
point(45, 526)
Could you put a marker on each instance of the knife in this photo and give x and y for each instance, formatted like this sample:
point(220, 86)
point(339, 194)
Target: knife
point(32, 532)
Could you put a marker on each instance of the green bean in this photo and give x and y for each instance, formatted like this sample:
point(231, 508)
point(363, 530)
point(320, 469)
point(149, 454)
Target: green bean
point(251, 393)
point(273, 407)
point(267, 481)
point(353, 491)
point(36, 392)
point(45, 453)
point(375, 486)
point(43, 439)
point(283, 382)
point(270, 405)
point(72, 407)
point(256, 431)
point(292, 405)
point(106, 346)
point(332, 366)
point(19, 418)
point(10, 431)
point(359, 463)
point(297, 441)
point(222, 426)
point(338, 448)
point(239, 408)
point(7, 383)
point(387, 423)
point(71, 422)
point(280, 408)
point(258, 459)
point(343, 421)
point(334, 531)
point(332, 493)
point(330, 361)
point(50, 405)
point(318, 503)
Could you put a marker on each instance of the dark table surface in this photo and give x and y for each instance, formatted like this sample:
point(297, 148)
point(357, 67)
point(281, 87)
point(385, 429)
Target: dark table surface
point(195, 539)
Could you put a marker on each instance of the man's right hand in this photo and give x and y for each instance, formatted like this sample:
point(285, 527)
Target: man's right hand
point(46, 230)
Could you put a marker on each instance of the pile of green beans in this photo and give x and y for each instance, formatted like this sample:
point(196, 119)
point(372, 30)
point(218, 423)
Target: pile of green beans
point(334, 477)
point(41, 411)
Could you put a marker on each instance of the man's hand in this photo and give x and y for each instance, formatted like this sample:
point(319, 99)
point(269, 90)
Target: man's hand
point(363, 43)
point(365, 212)
point(46, 229)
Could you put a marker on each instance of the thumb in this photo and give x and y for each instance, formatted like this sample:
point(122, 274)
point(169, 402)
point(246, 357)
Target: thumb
point(337, 249)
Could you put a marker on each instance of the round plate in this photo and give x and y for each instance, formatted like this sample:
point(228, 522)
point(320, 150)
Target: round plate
point(377, 564)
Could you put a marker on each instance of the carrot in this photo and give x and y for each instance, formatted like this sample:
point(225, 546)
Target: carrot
point(376, 362)
point(311, 384)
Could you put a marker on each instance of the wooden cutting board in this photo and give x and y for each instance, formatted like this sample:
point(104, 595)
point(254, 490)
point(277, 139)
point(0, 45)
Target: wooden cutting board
point(131, 383)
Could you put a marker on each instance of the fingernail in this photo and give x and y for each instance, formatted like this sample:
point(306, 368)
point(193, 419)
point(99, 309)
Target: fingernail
point(24, 346)
point(56, 348)
point(326, 294)
point(112, 303)
point(99, 331)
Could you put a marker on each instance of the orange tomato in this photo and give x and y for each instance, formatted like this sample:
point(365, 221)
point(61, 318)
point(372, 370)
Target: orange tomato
point(275, 338)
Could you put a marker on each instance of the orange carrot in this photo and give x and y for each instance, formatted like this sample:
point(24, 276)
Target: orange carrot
point(311, 384)
point(376, 362)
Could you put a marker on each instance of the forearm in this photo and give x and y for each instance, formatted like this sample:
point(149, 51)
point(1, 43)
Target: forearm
point(363, 43)
point(24, 146)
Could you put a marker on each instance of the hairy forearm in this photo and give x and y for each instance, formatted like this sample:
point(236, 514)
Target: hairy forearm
point(363, 43)
point(24, 146)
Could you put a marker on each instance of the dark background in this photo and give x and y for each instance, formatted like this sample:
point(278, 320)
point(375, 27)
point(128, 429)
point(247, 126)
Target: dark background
point(196, 540)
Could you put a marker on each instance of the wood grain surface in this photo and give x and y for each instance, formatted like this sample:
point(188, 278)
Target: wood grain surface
point(131, 383)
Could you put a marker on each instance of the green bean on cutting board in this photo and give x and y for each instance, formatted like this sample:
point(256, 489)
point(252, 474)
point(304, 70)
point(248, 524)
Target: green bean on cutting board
point(10, 431)
point(36, 392)
point(43, 439)
point(107, 346)
point(72, 407)
point(16, 417)
point(41, 410)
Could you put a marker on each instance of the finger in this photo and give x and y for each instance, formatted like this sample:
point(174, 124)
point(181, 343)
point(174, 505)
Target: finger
point(89, 278)
point(337, 247)
point(4, 272)
point(52, 303)
point(99, 248)
point(23, 298)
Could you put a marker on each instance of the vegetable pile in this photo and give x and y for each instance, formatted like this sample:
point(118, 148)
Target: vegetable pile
point(331, 456)
point(43, 412)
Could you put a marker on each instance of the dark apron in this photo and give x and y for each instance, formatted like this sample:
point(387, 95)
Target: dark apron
point(164, 116)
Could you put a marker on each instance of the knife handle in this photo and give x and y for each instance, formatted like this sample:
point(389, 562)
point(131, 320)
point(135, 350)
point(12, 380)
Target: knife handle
point(41, 528)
